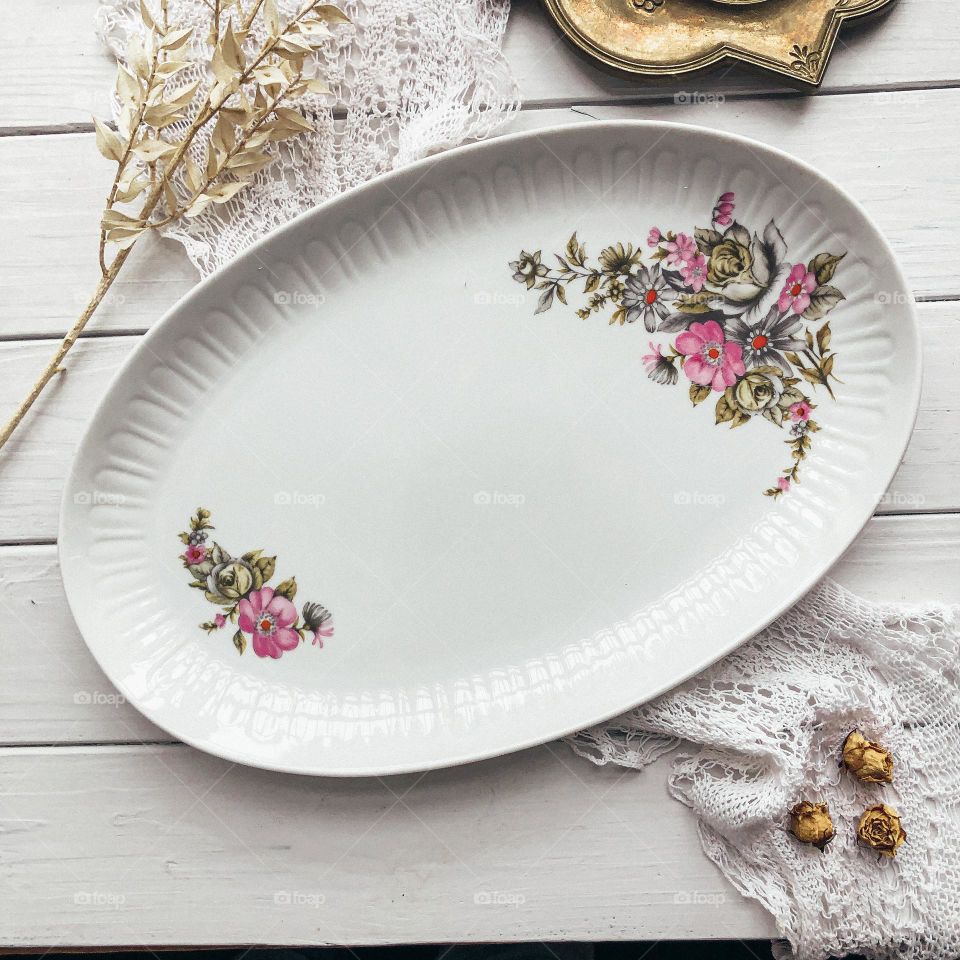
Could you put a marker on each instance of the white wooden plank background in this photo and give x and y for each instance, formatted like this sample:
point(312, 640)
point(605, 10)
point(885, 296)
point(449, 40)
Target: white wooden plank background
point(54, 74)
point(110, 834)
point(52, 188)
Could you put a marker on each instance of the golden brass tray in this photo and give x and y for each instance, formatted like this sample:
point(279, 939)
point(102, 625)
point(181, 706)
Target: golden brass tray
point(669, 37)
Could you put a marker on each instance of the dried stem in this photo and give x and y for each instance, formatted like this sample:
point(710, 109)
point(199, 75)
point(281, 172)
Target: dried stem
point(53, 367)
point(238, 156)
point(106, 281)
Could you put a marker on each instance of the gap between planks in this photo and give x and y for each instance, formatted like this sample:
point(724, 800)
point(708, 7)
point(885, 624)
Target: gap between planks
point(14, 543)
point(142, 331)
point(653, 99)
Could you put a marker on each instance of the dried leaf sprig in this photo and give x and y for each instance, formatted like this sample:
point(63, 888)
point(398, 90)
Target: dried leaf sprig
point(246, 103)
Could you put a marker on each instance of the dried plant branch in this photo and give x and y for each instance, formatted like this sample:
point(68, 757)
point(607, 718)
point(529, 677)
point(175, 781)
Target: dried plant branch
point(247, 104)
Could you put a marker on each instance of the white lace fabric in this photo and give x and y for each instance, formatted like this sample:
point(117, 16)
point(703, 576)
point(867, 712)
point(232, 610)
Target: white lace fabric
point(763, 729)
point(409, 77)
point(415, 76)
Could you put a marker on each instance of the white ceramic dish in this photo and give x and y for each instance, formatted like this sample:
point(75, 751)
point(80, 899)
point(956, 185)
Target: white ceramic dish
point(517, 531)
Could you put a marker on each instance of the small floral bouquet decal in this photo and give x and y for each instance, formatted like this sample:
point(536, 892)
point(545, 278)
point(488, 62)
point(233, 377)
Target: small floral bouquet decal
point(240, 586)
point(746, 320)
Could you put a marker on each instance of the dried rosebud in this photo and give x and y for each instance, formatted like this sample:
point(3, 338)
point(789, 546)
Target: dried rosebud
point(880, 829)
point(811, 823)
point(867, 760)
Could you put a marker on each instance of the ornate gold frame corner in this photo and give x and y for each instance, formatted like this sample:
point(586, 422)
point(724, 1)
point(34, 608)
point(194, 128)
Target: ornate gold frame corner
point(669, 38)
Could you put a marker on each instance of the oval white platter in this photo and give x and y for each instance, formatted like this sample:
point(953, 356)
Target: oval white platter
point(516, 531)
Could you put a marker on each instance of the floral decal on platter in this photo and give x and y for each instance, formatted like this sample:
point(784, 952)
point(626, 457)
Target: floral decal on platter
point(745, 324)
point(263, 614)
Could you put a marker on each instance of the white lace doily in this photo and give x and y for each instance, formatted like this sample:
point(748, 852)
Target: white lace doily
point(409, 77)
point(764, 728)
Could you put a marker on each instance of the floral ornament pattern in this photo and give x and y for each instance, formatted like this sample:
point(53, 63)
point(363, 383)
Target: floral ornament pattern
point(749, 324)
point(262, 613)
point(805, 61)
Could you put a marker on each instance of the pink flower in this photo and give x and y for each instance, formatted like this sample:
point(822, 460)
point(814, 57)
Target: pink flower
point(784, 484)
point(319, 621)
point(695, 273)
point(660, 369)
point(655, 237)
point(195, 553)
point(219, 620)
point(710, 360)
point(268, 618)
point(723, 209)
point(800, 411)
point(796, 291)
point(680, 251)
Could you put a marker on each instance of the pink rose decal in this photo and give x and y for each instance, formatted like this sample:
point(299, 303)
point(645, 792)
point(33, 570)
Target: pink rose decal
point(711, 361)
point(796, 291)
point(726, 303)
point(267, 618)
point(195, 553)
point(240, 587)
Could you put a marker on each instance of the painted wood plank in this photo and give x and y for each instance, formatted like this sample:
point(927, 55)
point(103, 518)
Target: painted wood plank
point(52, 188)
point(36, 460)
point(53, 69)
point(164, 845)
point(52, 191)
point(59, 695)
point(55, 72)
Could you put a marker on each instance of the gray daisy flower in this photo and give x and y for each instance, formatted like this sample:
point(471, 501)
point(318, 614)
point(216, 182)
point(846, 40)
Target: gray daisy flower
point(660, 369)
point(645, 297)
point(763, 340)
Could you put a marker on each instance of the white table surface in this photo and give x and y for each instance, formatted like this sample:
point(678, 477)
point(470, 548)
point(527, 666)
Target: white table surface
point(110, 834)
